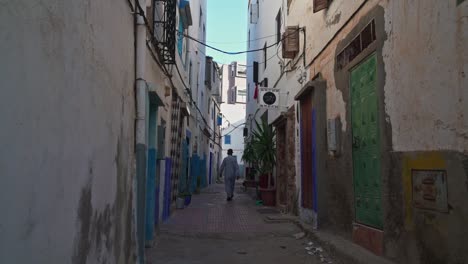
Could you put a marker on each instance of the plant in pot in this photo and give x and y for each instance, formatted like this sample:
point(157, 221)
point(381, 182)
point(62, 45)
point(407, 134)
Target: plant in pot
point(264, 145)
point(183, 199)
point(250, 160)
point(187, 198)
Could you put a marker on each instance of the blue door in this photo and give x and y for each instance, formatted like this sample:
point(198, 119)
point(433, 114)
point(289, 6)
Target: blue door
point(211, 167)
point(183, 179)
point(151, 174)
point(167, 190)
point(194, 172)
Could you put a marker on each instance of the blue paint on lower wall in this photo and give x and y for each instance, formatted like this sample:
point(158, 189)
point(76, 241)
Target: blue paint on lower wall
point(150, 194)
point(167, 190)
point(211, 168)
point(156, 207)
point(203, 172)
point(194, 172)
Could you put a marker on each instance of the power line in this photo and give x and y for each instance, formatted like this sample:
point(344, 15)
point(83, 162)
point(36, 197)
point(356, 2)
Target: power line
point(237, 42)
point(234, 52)
point(263, 62)
point(235, 127)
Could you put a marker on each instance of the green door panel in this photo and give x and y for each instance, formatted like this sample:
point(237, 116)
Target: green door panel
point(366, 144)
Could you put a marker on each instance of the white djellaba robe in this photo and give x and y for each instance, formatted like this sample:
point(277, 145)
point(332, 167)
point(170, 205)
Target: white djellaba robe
point(230, 168)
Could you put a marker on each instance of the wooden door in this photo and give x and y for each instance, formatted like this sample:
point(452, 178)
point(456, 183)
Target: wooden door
point(307, 159)
point(366, 144)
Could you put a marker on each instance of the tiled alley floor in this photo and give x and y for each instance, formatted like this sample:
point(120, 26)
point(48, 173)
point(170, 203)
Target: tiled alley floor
point(212, 230)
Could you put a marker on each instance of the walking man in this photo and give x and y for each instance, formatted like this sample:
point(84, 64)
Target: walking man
point(231, 172)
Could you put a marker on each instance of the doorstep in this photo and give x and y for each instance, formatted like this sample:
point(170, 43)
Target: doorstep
point(344, 248)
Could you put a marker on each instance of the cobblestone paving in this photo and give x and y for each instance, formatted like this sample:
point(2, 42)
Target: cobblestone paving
point(212, 230)
point(211, 213)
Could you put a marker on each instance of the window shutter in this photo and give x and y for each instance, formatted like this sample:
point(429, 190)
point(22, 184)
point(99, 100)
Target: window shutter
point(149, 16)
point(320, 5)
point(290, 42)
point(208, 69)
point(255, 72)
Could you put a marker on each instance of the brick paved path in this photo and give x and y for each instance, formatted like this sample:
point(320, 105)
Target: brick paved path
point(212, 230)
point(211, 213)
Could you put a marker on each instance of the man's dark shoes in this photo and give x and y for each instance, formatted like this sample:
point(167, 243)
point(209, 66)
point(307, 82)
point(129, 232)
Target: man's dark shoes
point(229, 198)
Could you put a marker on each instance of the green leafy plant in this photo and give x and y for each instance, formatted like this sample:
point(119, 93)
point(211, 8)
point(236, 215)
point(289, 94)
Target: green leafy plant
point(249, 153)
point(264, 147)
point(250, 159)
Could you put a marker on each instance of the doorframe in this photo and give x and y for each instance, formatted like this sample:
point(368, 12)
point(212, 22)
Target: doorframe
point(342, 82)
point(379, 124)
point(315, 90)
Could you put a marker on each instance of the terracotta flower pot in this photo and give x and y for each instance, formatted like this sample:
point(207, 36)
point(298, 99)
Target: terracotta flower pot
point(268, 196)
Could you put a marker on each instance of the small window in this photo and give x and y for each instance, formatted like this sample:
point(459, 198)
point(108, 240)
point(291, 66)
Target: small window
point(180, 38)
point(214, 73)
point(265, 54)
point(190, 74)
point(254, 12)
point(362, 41)
point(213, 113)
point(201, 17)
point(278, 27)
point(227, 139)
point(204, 33)
point(248, 40)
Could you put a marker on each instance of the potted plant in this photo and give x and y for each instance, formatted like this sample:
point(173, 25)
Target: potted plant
point(264, 145)
point(187, 198)
point(180, 201)
point(249, 158)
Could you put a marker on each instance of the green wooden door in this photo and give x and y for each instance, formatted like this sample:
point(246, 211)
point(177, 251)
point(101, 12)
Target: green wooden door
point(366, 144)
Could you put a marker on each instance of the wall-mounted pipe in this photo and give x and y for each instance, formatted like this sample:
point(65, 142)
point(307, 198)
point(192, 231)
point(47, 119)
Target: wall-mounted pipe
point(140, 126)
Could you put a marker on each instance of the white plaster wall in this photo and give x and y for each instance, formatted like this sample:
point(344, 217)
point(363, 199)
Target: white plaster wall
point(237, 140)
point(266, 30)
point(232, 112)
point(320, 28)
point(67, 111)
point(197, 56)
point(156, 82)
point(426, 62)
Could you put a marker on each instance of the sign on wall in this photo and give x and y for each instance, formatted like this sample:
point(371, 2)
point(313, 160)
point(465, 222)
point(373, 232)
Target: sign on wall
point(269, 98)
point(430, 190)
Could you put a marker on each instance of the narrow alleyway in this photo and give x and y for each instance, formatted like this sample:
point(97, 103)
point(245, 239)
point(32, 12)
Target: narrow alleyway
point(212, 230)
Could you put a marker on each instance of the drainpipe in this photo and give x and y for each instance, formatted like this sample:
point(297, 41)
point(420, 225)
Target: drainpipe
point(140, 127)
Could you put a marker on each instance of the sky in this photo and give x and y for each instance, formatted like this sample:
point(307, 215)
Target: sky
point(227, 29)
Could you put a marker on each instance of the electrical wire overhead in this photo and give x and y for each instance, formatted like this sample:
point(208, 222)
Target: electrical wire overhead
point(244, 41)
point(234, 52)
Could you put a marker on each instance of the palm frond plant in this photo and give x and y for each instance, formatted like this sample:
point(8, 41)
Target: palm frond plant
point(249, 158)
point(264, 146)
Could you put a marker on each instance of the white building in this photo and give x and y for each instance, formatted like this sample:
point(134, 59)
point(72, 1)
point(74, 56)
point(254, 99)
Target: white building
point(234, 93)
point(234, 98)
point(233, 138)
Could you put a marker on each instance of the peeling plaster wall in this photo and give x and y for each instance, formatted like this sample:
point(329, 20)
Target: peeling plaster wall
point(66, 143)
point(324, 23)
point(426, 64)
point(423, 114)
